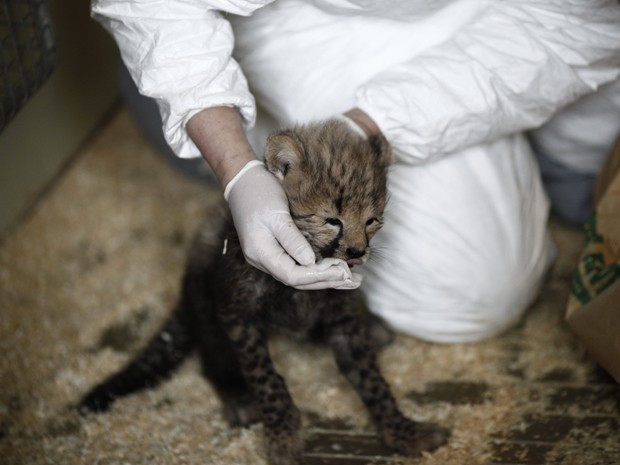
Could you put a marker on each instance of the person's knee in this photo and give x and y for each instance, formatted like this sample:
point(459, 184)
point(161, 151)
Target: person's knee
point(465, 244)
point(498, 298)
point(463, 303)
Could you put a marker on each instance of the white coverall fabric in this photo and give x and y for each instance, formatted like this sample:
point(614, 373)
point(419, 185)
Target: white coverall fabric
point(580, 136)
point(465, 245)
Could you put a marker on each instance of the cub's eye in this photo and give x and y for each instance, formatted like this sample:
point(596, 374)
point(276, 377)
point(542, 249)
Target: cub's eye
point(371, 221)
point(333, 221)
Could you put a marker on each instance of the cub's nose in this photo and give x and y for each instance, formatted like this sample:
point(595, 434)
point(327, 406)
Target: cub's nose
point(355, 252)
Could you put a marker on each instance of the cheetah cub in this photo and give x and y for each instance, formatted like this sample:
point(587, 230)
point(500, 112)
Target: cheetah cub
point(335, 180)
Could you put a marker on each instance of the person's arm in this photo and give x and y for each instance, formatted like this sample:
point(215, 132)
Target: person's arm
point(364, 121)
point(507, 70)
point(180, 54)
point(219, 135)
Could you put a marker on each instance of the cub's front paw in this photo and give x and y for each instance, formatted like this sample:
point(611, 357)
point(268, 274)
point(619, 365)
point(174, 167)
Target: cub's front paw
point(284, 447)
point(411, 438)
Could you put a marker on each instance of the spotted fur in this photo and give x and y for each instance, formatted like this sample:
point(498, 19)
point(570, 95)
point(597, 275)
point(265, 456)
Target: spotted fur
point(335, 181)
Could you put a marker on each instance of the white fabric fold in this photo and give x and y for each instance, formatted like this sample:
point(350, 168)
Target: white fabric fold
point(180, 54)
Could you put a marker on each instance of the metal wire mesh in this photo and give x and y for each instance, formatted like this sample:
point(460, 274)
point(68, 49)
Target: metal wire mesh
point(28, 53)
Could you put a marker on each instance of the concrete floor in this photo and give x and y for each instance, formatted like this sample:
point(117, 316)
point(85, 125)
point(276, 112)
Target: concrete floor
point(94, 269)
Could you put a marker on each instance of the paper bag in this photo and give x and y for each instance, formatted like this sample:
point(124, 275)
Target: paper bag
point(593, 310)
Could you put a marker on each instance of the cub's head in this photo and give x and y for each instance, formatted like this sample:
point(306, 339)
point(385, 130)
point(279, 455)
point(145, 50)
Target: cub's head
point(335, 181)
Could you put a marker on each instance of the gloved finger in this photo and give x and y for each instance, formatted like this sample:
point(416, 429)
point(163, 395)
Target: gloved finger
point(326, 274)
point(348, 284)
point(334, 274)
point(293, 241)
point(351, 281)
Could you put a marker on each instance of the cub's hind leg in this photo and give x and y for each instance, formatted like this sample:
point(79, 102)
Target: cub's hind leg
point(357, 362)
point(220, 364)
point(204, 294)
point(278, 413)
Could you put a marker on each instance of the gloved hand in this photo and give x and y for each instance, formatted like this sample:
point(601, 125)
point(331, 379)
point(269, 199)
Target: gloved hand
point(269, 238)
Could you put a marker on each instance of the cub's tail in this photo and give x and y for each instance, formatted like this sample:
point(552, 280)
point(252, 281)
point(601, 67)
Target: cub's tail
point(156, 362)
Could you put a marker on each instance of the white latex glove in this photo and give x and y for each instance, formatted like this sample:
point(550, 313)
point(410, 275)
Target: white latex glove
point(269, 238)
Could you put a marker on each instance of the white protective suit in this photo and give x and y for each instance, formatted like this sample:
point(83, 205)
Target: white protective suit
point(451, 83)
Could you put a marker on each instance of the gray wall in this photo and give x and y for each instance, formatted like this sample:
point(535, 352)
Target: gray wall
point(63, 113)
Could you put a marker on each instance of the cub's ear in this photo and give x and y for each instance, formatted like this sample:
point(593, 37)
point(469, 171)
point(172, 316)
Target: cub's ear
point(381, 148)
point(283, 152)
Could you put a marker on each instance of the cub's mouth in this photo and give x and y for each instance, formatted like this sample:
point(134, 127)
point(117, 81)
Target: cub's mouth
point(354, 261)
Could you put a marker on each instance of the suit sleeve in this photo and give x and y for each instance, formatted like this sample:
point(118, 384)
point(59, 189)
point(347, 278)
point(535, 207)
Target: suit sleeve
point(180, 54)
point(506, 71)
